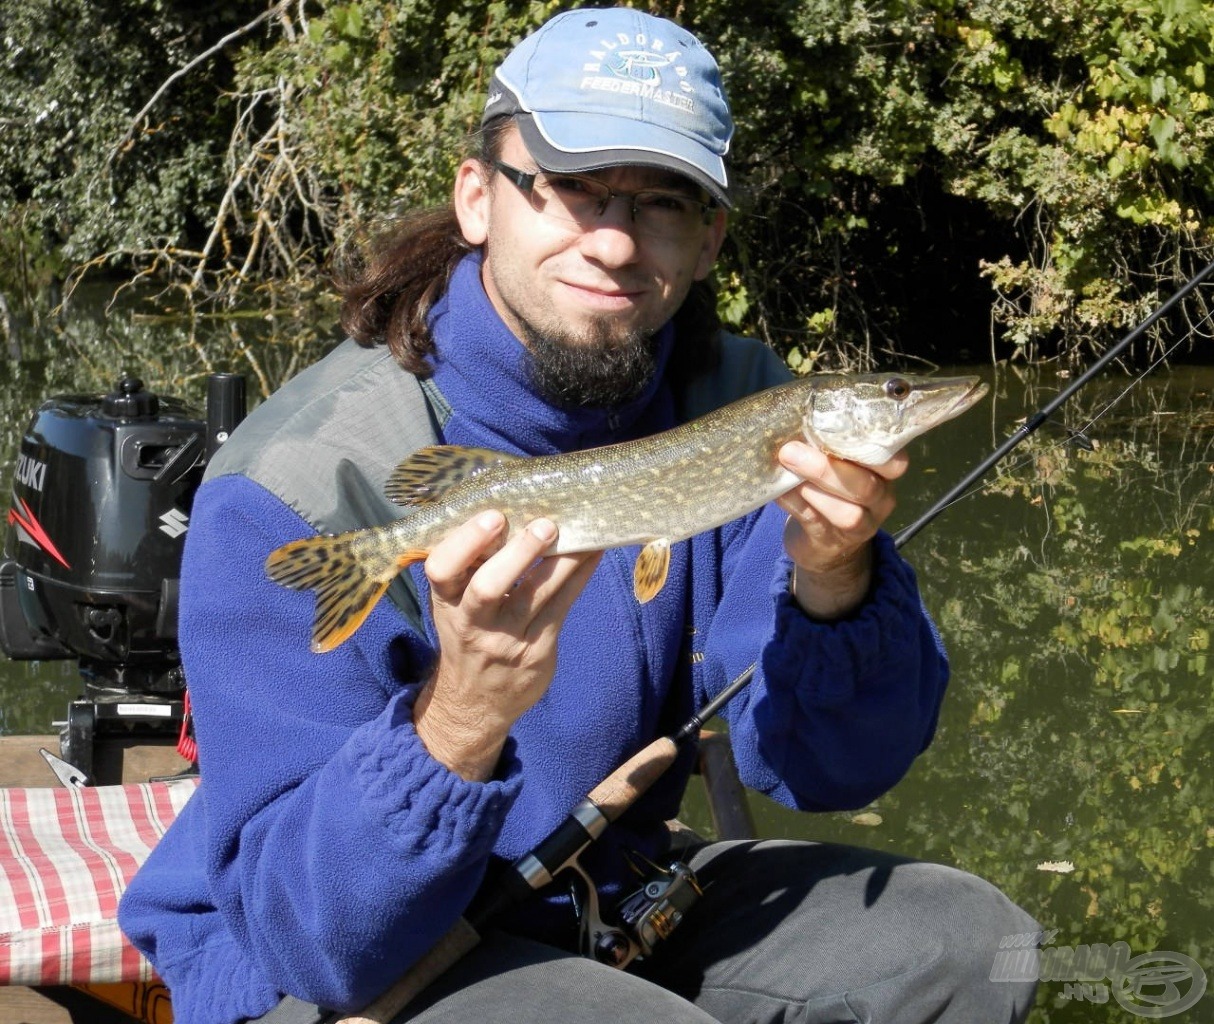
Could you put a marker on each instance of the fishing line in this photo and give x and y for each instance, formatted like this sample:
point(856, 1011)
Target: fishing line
point(1033, 422)
point(1150, 369)
point(1082, 431)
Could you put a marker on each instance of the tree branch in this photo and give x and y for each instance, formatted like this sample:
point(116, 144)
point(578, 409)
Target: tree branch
point(186, 69)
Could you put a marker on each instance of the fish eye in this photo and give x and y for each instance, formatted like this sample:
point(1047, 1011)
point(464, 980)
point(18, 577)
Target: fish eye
point(898, 388)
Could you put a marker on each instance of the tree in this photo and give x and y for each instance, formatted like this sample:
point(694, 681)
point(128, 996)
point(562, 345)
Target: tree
point(908, 170)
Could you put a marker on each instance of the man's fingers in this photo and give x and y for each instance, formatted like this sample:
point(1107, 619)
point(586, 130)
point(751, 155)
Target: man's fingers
point(837, 475)
point(849, 481)
point(477, 566)
point(498, 578)
point(551, 588)
point(842, 514)
point(453, 560)
point(839, 502)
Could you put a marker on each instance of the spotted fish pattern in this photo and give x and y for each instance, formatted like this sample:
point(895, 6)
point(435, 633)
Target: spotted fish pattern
point(653, 491)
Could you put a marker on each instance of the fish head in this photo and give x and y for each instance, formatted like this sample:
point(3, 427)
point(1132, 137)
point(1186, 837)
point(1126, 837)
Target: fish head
point(869, 418)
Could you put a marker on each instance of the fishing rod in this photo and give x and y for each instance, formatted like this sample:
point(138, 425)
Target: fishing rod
point(1044, 413)
point(556, 853)
point(624, 786)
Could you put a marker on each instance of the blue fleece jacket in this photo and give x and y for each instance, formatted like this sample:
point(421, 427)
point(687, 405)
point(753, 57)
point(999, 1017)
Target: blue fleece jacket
point(325, 850)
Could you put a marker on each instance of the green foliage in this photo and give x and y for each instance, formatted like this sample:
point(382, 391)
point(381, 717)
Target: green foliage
point(1116, 173)
point(387, 92)
point(906, 169)
point(73, 73)
point(1076, 136)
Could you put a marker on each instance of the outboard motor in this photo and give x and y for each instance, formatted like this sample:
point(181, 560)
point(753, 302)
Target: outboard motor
point(102, 493)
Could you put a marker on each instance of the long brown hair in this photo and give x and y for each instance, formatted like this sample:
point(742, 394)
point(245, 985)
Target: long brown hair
point(388, 293)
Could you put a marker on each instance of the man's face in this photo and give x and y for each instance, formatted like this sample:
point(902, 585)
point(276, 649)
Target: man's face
point(585, 300)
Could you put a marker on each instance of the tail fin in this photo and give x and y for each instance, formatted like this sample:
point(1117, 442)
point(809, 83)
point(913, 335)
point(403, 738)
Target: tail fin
point(346, 588)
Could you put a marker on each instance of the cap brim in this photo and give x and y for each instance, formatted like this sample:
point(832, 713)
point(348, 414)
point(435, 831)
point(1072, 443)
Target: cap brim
point(550, 145)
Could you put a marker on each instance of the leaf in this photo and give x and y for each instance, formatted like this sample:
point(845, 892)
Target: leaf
point(1060, 867)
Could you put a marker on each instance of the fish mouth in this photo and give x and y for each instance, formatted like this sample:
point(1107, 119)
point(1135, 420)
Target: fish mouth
point(971, 396)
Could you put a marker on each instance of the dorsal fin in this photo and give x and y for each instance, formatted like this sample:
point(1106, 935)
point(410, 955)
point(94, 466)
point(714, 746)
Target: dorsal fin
point(428, 473)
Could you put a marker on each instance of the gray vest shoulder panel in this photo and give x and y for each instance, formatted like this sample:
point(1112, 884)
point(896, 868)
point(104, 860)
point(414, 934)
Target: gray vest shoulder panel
point(746, 366)
point(327, 440)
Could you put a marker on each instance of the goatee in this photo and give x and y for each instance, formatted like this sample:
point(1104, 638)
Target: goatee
point(597, 371)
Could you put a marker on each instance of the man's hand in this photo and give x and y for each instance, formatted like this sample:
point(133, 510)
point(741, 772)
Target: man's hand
point(832, 518)
point(498, 609)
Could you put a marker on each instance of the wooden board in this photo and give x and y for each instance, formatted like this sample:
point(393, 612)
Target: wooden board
point(63, 1005)
point(116, 761)
point(28, 1006)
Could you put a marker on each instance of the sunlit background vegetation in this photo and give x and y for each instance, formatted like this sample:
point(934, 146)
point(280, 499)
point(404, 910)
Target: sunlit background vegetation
point(946, 178)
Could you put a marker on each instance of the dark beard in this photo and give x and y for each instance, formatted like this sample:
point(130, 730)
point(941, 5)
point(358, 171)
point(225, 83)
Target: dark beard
point(591, 375)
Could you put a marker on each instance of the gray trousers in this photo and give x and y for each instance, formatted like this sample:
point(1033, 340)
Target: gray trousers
point(785, 932)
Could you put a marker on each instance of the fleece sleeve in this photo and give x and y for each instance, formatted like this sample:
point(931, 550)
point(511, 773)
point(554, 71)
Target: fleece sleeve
point(836, 712)
point(338, 849)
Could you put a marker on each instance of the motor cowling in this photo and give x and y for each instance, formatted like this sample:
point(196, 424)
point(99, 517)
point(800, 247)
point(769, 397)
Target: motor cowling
point(101, 496)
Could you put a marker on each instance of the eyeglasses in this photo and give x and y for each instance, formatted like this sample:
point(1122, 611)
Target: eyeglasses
point(580, 200)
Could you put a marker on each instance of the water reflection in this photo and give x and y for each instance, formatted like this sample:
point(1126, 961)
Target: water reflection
point(1073, 761)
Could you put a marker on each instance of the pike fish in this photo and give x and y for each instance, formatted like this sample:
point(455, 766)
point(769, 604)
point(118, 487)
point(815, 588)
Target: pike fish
point(653, 491)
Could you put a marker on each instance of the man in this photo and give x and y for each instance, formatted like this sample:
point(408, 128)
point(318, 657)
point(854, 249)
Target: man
point(352, 803)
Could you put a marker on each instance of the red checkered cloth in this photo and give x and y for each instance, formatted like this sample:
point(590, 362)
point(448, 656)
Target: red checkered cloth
point(66, 855)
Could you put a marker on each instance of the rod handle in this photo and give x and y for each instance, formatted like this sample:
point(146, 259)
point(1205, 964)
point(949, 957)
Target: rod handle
point(459, 940)
point(613, 796)
point(620, 790)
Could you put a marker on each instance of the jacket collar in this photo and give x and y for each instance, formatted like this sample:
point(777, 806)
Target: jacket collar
point(482, 370)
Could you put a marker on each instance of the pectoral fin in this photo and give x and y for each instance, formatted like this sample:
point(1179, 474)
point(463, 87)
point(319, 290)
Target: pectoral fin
point(649, 574)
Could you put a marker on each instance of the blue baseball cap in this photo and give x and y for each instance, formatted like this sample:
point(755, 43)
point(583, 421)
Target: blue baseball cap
point(594, 88)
